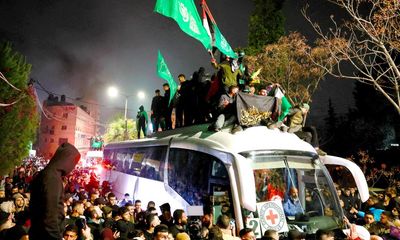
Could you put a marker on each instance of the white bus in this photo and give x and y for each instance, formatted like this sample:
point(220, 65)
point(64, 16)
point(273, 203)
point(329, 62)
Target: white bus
point(233, 173)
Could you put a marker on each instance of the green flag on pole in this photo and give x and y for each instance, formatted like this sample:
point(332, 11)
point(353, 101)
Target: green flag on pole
point(184, 12)
point(222, 44)
point(163, 72)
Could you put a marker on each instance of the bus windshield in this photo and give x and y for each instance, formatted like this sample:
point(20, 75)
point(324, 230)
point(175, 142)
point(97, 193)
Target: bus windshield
point(303, 187)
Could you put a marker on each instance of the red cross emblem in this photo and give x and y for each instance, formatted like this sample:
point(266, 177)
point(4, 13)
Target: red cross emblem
point(272, 217)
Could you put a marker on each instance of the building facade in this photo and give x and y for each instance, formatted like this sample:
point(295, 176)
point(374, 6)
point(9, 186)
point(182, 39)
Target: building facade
point(61, 122)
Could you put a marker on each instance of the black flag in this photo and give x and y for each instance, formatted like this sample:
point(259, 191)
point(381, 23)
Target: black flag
point(253, 110)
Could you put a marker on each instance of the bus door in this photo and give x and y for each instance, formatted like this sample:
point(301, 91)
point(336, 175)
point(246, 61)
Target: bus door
point(200, 179)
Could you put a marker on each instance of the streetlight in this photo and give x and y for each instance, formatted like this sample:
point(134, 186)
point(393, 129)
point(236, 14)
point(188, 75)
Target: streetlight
point(141, 95)
point(113, 92)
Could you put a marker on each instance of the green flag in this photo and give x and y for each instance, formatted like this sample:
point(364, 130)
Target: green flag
point(184, 12)
point(222, 44)
point(163, 72)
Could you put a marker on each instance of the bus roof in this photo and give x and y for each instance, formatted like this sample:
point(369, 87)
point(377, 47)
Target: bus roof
point(250, 139)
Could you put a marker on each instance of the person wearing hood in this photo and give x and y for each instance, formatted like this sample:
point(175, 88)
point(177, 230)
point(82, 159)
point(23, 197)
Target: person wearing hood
point(141, 121)
point(47, 195)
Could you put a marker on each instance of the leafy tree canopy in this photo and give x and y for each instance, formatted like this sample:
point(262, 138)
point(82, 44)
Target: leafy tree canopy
point(290, 62)
point(116, 130)
point(18, 115)
point(266, 24)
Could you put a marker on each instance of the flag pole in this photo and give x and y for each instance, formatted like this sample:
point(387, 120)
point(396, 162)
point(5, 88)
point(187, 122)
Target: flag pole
point(206, 11)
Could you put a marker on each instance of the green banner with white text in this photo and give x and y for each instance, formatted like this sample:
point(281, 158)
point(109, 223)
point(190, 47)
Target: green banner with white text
point(184, 12)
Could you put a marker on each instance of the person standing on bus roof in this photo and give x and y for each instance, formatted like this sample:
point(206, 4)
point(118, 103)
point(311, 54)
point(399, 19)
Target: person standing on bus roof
point(141, 121)
point(157, 111)
point(167, 107)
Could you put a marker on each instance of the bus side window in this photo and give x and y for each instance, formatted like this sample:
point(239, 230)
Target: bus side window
point(188, 174)
point(152, 163)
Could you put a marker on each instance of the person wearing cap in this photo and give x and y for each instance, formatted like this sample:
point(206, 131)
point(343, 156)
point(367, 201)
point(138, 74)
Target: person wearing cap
point(166, 217)
point(297, 118)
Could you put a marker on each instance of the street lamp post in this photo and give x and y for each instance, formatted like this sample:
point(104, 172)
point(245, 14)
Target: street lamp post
point(113, 92)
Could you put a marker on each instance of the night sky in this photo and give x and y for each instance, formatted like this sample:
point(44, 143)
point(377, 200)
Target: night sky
point(79, 48)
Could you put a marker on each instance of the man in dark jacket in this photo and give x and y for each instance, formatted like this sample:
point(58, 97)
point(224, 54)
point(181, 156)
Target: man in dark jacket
point(157, 111)
point(168, 107)
point(47, 195)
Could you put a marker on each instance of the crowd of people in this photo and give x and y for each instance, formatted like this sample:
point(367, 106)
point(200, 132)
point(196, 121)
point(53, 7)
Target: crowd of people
point(56, 200)
point(379, 215)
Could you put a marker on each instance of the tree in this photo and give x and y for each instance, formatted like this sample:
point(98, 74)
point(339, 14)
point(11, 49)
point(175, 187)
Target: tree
point(266, 24)
point(290, 62)
point(369, 41)
point(372, 124)
point(116, 130)
point(331, 128)
point(18, 115)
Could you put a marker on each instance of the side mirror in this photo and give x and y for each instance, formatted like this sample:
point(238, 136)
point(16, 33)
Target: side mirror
point(358, 175)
